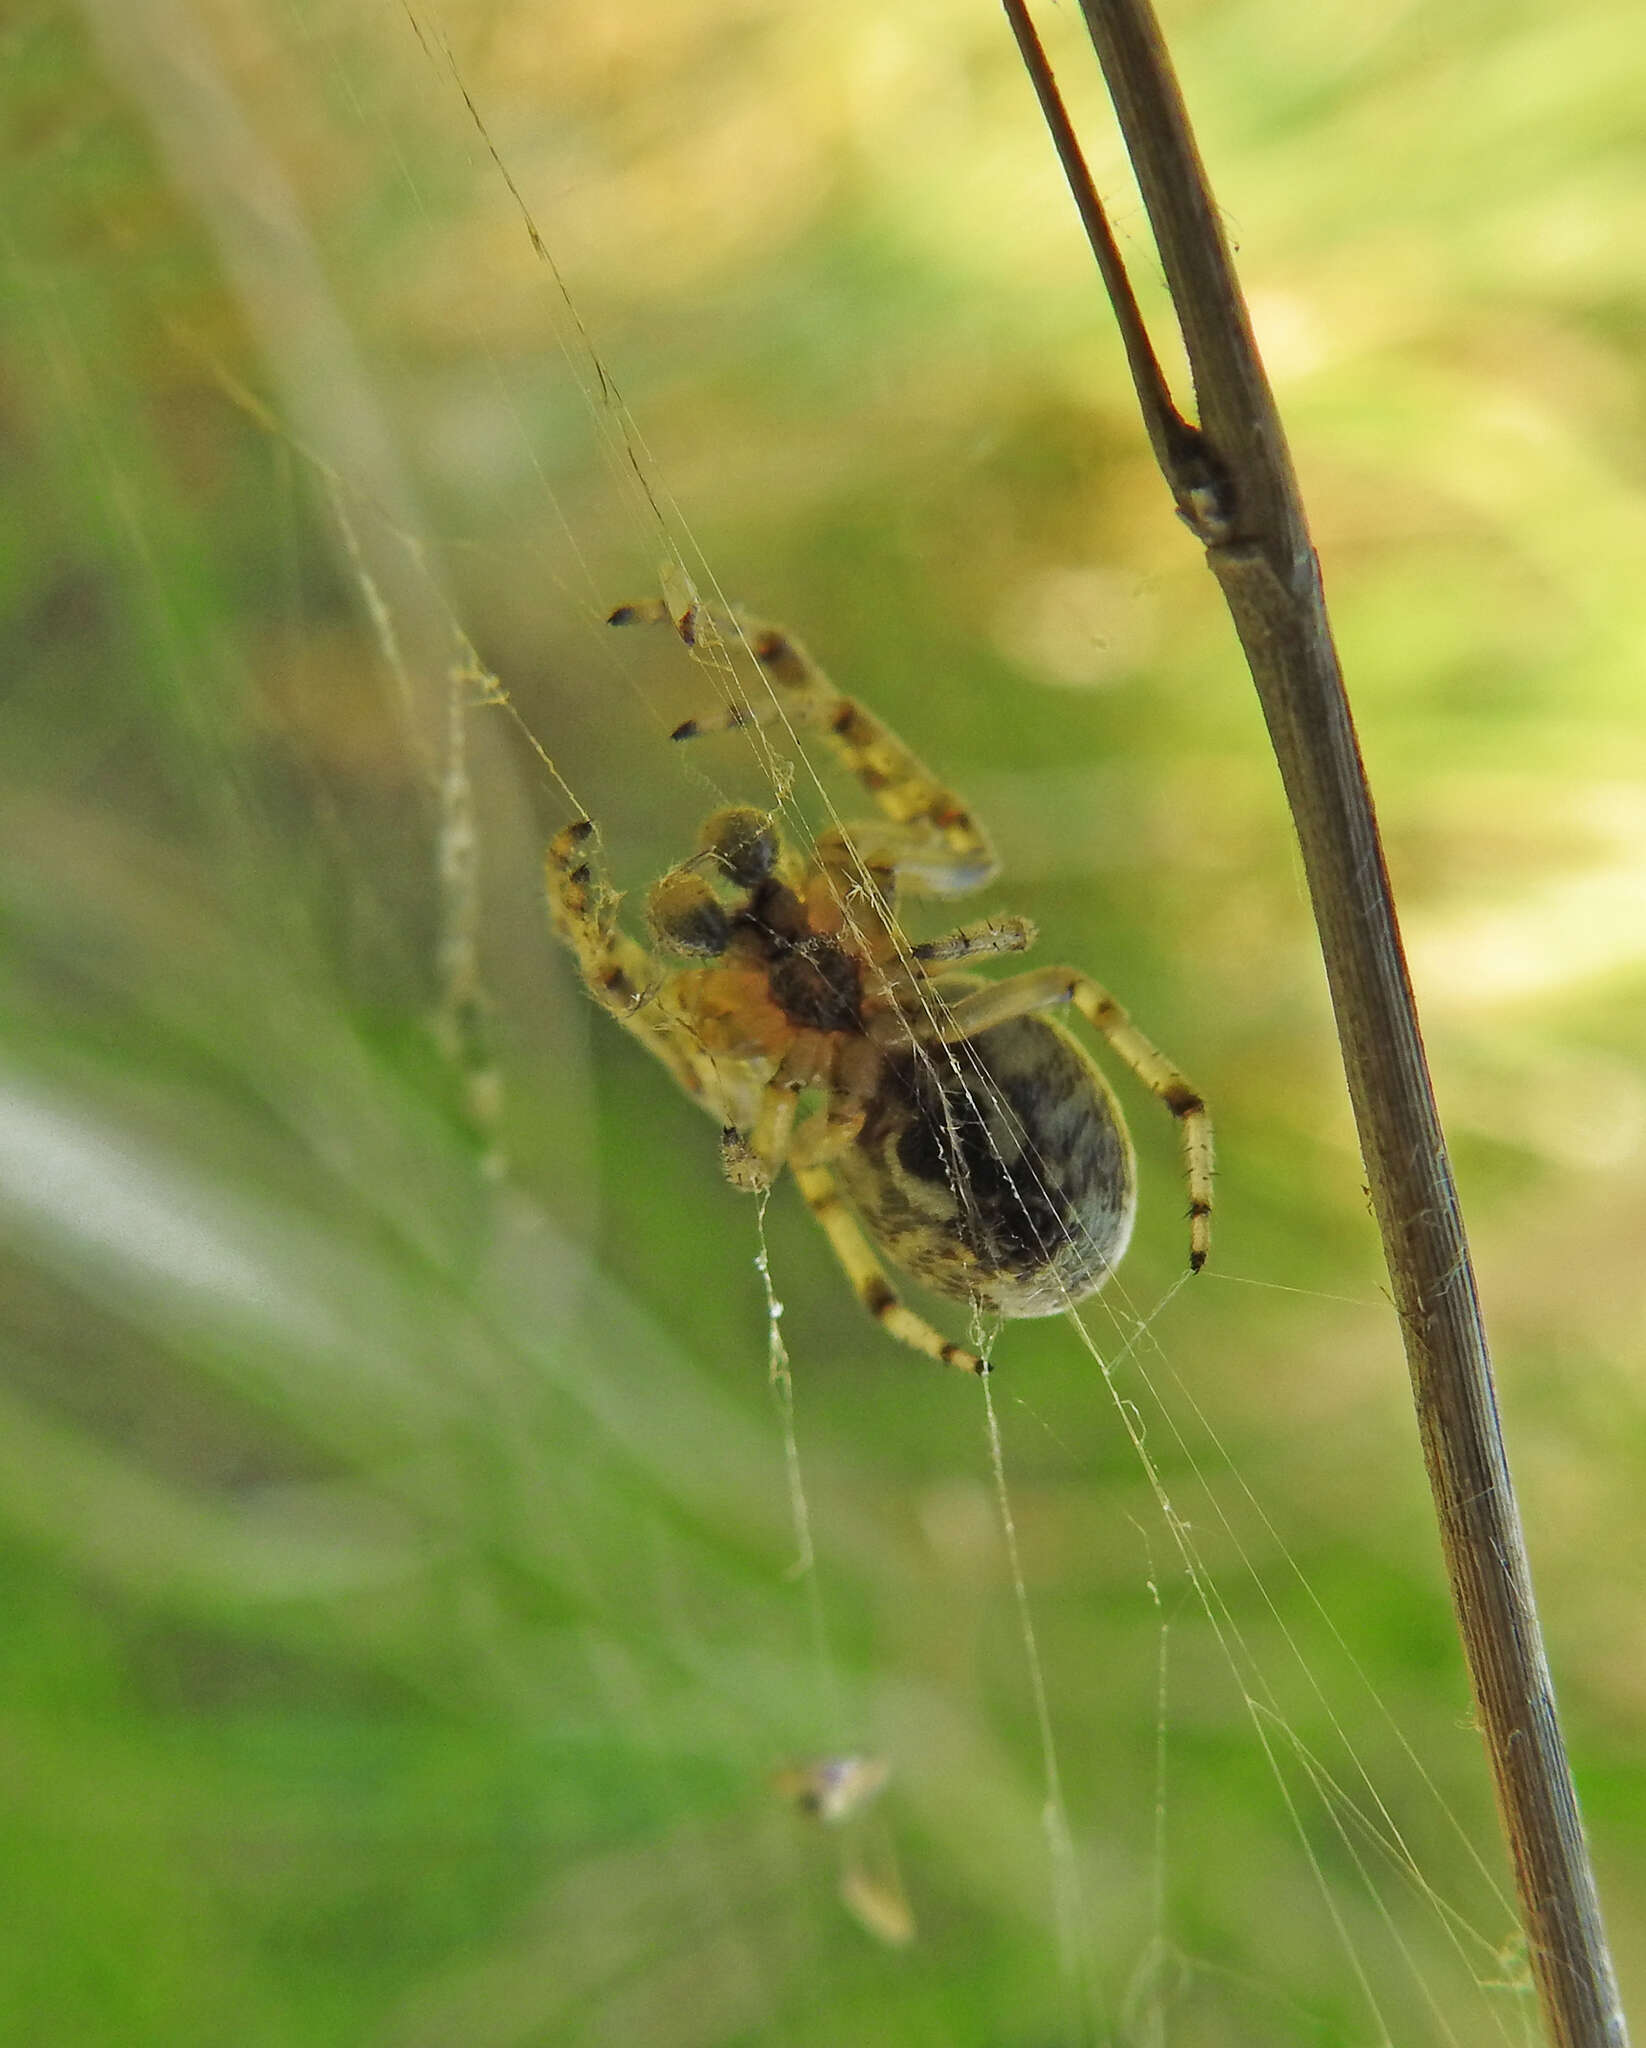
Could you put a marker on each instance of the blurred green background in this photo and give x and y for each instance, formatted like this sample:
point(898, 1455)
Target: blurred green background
point(400, 1624)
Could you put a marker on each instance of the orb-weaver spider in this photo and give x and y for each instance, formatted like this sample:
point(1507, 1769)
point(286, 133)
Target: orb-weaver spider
point(976, 1139)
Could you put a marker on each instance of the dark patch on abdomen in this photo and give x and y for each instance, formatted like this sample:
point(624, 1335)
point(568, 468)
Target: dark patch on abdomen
point(1024, 1149)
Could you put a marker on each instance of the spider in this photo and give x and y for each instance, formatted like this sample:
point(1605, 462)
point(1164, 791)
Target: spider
point(976, 1140)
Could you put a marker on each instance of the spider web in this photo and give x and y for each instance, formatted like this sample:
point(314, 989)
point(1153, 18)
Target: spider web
point(501, 1321)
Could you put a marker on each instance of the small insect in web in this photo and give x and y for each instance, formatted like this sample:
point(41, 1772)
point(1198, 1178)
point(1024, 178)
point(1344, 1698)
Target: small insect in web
point(951, 1121)
point(836, 1790)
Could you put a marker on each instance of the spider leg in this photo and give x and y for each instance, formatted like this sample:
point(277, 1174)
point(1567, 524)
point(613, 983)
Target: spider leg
point(620, 975)
point(925, 832)
point(869, 1281)
point(977, 941)
point(902, 983)
point(848, 1073)
point(1046, 988)
point(853, 1079)
point(752, 1160)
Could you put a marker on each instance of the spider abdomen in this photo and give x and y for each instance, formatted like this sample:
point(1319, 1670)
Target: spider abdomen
point(998, 1171)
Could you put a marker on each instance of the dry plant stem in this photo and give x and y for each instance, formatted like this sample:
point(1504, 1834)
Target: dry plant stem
point(1234, 484)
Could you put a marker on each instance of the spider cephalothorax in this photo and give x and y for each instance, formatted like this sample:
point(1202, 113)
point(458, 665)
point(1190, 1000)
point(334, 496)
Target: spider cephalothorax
point(976, 1139)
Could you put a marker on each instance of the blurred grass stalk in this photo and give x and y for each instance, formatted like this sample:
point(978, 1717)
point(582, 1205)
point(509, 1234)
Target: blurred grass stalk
point(1235, 487)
